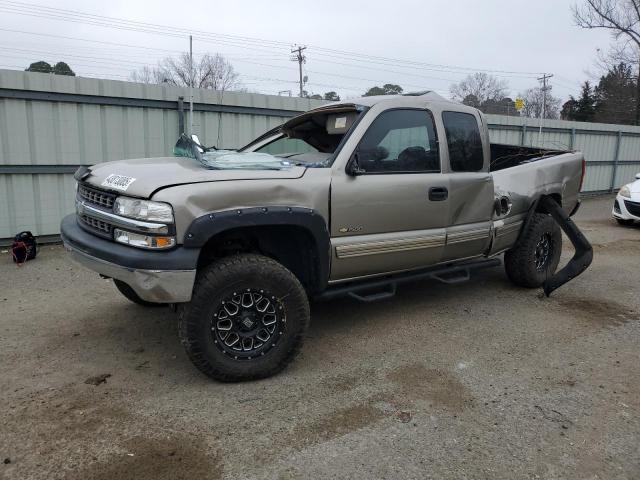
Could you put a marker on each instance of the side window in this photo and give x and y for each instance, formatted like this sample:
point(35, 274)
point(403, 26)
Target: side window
point(400, 141)
point(464, 141)
point(286, 145)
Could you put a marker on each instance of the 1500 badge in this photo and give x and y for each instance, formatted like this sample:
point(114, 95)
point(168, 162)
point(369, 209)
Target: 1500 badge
point(118, 182)
point(357, 228)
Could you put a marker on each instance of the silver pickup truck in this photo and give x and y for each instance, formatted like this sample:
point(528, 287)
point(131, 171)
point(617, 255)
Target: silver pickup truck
point(347, 199)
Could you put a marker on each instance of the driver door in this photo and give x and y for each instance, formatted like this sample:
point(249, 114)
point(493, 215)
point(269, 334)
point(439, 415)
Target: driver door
point(393, 214)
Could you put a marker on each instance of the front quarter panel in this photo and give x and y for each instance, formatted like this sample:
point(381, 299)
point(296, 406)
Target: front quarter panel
point(196, 200)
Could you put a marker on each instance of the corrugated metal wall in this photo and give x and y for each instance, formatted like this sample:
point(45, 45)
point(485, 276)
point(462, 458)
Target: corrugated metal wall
point(51, 124)
point(612, 151)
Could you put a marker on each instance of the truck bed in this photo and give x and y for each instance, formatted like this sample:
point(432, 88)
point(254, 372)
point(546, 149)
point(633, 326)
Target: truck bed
point(507, 156)
point(524, 174)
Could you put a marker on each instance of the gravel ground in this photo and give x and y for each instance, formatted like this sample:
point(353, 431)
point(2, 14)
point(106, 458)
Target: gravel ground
point(478, 380)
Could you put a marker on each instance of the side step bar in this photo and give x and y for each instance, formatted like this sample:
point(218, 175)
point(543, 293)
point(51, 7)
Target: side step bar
point(382, 288)
point(584, 252)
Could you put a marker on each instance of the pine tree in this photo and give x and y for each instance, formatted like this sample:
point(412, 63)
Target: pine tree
point(616, 96)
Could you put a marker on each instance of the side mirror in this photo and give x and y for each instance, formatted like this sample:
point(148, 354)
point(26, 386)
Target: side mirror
point(353, 167)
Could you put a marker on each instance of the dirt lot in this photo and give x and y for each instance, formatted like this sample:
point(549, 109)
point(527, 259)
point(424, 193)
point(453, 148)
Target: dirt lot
point(479, 380)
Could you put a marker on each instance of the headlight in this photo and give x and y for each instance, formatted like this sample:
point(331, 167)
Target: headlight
point(141, 240)
point(625, 191)
point(143, 209)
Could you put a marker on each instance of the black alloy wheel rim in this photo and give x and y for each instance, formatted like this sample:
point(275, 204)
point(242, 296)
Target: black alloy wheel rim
point(248, 323)
point(544, 251)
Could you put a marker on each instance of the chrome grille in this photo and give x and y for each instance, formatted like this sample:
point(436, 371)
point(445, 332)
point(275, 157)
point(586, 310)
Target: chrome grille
point(96, 197)
point(96, 224)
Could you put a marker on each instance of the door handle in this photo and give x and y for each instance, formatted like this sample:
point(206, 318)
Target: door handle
point(438, 194)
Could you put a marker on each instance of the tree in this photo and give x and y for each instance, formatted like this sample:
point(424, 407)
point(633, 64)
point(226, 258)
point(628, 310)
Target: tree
point(616, 96)
point(386, 89)
point(622, 19)
point(315, 96)
point(147, 75)
point(478, 88)
point(583, 109)
point(504, 106)
point(533, 103)
point(61, 68)
point(331, 96)
point(210, 71)
point(471, 100)
point(41, 66)
point(569, 109)
point(485, 92)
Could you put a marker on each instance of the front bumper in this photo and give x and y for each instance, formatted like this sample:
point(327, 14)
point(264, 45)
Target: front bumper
point(160, 277)
point(621, 210)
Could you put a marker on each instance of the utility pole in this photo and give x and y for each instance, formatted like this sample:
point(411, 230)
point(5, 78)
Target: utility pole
point(300, 58)
point(190, 85)
point(543, 79)
point(638, 98)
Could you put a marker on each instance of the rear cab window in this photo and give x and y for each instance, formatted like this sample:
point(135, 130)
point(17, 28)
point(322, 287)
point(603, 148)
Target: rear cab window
point(464, 142)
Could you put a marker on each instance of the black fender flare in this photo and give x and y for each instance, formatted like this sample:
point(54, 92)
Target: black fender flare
point(203, 228)
point(583, 251)
point(533, 209)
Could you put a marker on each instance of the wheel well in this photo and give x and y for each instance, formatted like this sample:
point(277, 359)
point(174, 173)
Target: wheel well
point(292, 246)
point(536, 208)
point(554, 196)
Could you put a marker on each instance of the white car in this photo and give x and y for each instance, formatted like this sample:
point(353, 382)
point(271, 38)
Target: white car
point(626, 208)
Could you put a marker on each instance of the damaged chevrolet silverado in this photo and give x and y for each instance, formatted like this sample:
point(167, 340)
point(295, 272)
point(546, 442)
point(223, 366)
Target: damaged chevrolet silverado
point(349, 199)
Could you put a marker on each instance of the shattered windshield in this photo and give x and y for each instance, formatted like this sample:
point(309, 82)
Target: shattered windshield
point(310, 140)
point(228, 159)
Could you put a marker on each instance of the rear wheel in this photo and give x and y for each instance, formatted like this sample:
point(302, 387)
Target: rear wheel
point(537, 254)
point(246, 319)
point(131, 295)
point(624, 222)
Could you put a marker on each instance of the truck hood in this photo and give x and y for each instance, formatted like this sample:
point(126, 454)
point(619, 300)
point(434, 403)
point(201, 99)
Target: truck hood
point(152, 174)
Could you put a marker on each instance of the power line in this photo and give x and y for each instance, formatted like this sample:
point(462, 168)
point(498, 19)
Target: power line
point(31, 9)
point(358, 60)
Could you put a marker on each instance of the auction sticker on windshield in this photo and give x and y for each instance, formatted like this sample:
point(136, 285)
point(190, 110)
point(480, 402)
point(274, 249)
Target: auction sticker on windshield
point(118, 182)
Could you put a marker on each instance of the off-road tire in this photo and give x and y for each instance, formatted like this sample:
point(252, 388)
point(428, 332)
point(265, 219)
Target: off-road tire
point(132, 296)
point(624, 222)
point(520, 261)
point(223, 279)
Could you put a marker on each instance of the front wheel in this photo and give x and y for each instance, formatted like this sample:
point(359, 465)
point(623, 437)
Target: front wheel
point(246, 319)
point(537, 253)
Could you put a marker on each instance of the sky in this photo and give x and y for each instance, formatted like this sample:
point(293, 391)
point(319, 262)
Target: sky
point(351, 45)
